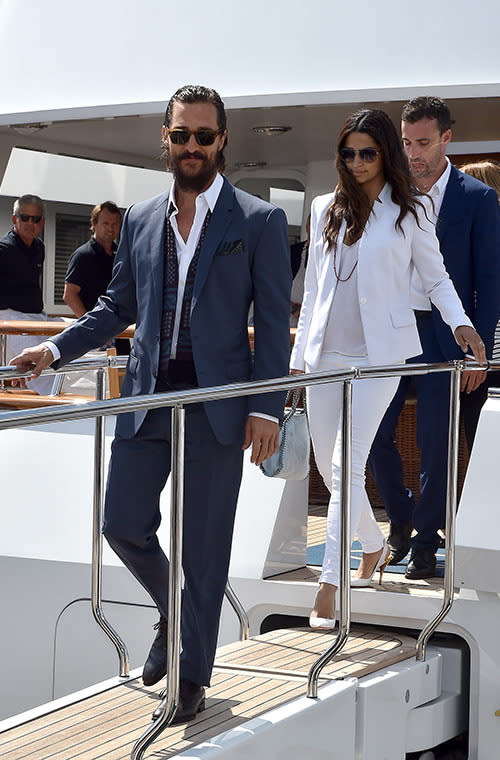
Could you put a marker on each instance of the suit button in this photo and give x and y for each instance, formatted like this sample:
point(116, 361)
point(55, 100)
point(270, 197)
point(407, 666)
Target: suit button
point(155, 373)
point(362, 301)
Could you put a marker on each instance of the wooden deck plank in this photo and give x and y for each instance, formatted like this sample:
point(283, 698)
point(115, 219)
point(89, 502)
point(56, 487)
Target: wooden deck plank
point(297, 651)
point(107, 725)
point(392, 582)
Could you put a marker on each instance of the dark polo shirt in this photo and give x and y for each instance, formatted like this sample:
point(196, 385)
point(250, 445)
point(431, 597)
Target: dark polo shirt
point(91, 268)
point(20, 273)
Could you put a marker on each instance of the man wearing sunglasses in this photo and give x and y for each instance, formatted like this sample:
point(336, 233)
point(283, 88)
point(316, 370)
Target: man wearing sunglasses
point(21, 262)
point(468, 228)
point(189, 265)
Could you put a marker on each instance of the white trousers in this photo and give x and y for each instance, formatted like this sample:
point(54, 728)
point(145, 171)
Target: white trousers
point(370, 399)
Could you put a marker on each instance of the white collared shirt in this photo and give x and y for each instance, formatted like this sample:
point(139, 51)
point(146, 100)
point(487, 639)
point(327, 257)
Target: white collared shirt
point(186, 250)
point(418, 299)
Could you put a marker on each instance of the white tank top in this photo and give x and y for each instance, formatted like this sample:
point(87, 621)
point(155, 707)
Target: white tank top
point(344, 329)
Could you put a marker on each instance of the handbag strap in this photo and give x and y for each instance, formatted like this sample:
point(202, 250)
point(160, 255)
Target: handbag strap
point(295, 398)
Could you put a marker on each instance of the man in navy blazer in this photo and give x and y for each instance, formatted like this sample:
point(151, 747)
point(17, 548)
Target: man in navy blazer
point(468, 228)
point(189, 264)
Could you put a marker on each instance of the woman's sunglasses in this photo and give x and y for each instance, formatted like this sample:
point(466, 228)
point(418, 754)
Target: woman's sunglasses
point(367, 155)
point(203, 137)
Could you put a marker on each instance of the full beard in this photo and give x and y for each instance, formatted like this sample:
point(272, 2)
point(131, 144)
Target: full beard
point(193, 183)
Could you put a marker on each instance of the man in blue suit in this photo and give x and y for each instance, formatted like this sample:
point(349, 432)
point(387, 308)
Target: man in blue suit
point(189, 264)
point(468, 228)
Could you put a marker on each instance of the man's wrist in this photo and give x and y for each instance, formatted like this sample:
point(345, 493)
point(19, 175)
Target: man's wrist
point(264, 416)
point(53, 349)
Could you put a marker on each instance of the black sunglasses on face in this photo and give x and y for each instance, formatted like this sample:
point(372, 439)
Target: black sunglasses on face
point(34, 218)
point(367, 155)
point(203, 137)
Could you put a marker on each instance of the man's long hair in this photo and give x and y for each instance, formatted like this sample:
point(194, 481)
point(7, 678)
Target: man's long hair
point(350, 202)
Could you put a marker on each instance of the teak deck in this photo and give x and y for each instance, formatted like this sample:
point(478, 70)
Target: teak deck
point(107, 724)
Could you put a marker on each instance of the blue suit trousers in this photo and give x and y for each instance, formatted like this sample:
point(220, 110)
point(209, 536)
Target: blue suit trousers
point(433, 400)
point(138, 471)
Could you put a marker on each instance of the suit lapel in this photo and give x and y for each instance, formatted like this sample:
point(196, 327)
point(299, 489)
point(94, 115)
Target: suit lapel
point(156, 250)
point(221, 218)
point(451, 207)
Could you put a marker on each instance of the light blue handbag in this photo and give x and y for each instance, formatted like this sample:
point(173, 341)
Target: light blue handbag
point(291, 459)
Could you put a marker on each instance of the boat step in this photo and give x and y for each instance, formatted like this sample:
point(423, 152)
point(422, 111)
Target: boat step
point(107, 725)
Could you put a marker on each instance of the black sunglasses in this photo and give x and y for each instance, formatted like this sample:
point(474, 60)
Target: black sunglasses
point(204, 137)
point(34, 218)
point(367, 155)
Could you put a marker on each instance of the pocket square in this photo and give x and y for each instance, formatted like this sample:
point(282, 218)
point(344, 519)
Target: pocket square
point(228, 248)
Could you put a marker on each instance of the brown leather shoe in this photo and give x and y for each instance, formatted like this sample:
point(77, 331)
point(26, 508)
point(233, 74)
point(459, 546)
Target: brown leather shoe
point(191, 702)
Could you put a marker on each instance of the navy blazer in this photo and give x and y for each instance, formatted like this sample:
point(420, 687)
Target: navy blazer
point(245, 257)
point(468, 230)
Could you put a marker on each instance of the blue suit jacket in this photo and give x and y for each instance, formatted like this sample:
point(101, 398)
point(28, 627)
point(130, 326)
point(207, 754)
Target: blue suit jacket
point(245, 257)
point(469, 236)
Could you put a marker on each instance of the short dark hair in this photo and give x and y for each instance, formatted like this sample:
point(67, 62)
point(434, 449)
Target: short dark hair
point(426, 107)
point(197, 93)
point(106, 206)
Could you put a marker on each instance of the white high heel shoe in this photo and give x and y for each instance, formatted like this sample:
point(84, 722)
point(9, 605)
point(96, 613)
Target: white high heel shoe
point(322, 624)
point(382, 563)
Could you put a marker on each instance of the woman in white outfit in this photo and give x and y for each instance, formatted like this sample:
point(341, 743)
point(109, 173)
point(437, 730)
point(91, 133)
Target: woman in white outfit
point(365, 240)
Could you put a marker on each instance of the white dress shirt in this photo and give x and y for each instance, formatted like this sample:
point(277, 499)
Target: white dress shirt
point(186, 250)
point(418, 298)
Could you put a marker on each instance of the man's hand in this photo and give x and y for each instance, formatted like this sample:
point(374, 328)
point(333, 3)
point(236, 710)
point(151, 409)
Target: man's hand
point(263, 436)
point(467, 338)
point(34, 359)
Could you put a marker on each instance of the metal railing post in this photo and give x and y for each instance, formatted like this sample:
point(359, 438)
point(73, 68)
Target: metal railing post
point(58, 383)
point(96, 592)
point(345, 547)
point(451, 511)
point(240, 612)
point(170, 701)
point(3, 355)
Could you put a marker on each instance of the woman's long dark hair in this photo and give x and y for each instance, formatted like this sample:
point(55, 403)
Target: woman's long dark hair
point(351, 202)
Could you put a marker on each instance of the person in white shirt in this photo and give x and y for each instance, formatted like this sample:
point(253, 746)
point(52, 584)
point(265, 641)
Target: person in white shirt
point(366, 239)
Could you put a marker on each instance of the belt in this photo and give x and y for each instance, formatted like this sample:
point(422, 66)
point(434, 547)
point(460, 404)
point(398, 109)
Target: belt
point(422, 312)
point(178, 375)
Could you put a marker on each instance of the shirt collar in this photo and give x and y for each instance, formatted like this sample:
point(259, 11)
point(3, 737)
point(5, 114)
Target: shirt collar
point(210, 196)
point(100, 248)
point(439, 185)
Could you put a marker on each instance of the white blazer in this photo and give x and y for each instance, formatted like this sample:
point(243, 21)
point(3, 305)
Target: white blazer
point(385, 266)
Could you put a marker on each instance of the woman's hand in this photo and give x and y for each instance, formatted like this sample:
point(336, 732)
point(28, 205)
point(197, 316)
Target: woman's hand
point(296, 371)
point(467, 338)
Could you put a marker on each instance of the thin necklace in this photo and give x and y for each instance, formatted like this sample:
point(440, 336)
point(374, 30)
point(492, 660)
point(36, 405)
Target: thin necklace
point(339, 279)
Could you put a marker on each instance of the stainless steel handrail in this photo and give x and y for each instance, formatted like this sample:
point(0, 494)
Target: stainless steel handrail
point(345, 547)
point(111, 407)
point(240, 612)
point(170, 701)
point(96, 588)
point(451, 511)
